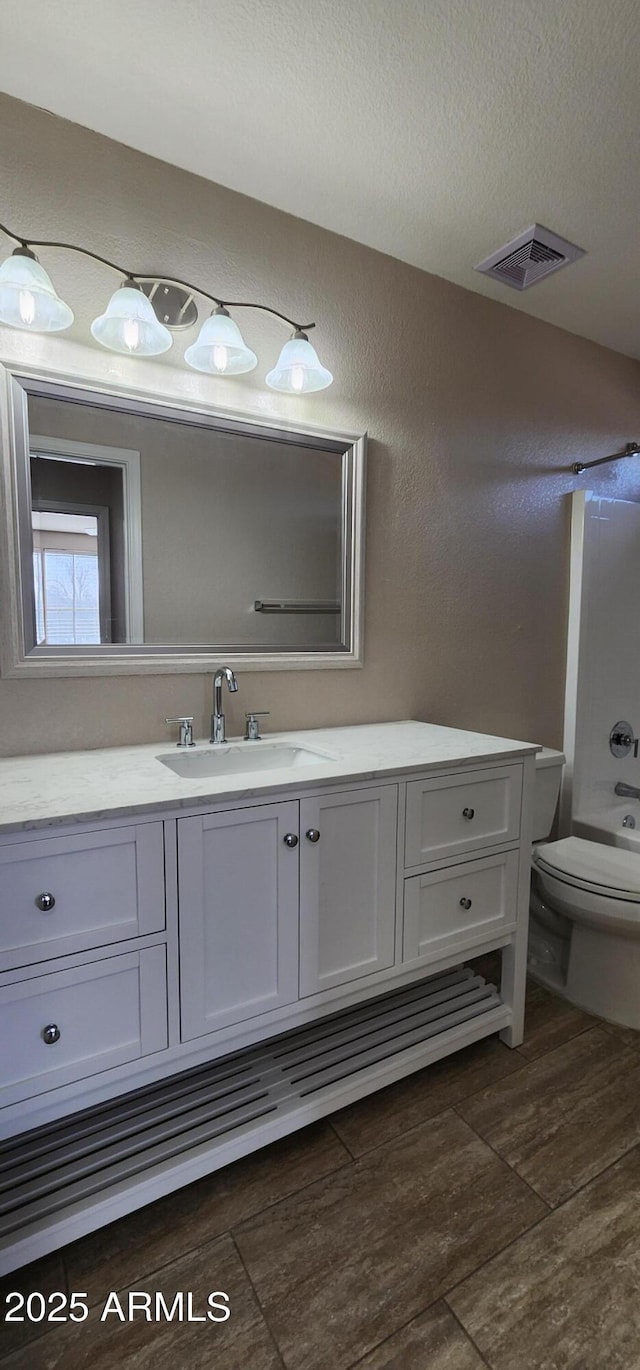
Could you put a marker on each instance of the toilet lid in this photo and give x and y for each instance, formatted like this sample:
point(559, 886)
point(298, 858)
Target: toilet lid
point(593, 864)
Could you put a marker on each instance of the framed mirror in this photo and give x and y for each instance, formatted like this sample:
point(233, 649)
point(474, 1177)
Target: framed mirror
point(142, 535)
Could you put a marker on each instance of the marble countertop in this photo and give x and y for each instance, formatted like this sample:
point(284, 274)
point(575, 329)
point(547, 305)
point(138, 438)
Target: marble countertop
point(77, 787)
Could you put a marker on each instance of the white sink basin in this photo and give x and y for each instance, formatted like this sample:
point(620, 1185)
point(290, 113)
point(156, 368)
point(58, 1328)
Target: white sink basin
point(196, 763)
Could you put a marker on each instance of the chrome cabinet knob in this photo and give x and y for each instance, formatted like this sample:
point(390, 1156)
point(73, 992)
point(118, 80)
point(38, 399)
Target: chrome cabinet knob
point(468, 813)
point(290, 840)
point(45, 901)
point(51, 1034)
point(465, 903)
point(313, 834)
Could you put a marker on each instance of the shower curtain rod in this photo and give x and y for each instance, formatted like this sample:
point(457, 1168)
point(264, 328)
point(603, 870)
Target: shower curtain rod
point(632, 449)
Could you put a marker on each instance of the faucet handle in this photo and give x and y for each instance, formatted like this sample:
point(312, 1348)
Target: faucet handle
point(186, 730)
point(252, 729)
point(622, 739)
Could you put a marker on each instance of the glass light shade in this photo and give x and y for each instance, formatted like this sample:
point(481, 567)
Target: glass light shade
point(220, 348)
point(27, 296)
point(298, 369)
point(129, 325)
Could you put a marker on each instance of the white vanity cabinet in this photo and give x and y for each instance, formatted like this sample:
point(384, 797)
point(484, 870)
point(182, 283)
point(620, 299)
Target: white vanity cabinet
point(347, 886)
point(188, 985)
point(238, 915)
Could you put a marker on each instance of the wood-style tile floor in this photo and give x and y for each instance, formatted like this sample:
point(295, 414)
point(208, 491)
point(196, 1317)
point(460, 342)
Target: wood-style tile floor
point(481, 1215)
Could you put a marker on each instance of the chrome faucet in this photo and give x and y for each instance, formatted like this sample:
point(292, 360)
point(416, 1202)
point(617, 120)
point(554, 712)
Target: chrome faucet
point(217, 717)
point(627, 791)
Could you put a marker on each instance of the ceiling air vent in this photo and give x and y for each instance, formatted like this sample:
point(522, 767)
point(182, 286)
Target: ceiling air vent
point(526, 259)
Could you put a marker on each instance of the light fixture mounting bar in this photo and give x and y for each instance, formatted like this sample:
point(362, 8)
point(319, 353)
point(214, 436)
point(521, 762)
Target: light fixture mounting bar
point(141, 276)
point(174, 306)
point(632, 449)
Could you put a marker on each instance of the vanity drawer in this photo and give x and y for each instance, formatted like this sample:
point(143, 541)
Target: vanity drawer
point(460, 813)
point(60, 895)
point(97, 1016)
point(453, 907)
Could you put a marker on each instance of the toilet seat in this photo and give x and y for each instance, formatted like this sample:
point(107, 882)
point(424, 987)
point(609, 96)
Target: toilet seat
point(591, 866)
point(591, 883)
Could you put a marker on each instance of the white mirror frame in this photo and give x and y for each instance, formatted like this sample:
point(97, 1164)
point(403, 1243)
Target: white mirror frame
point(125, 659)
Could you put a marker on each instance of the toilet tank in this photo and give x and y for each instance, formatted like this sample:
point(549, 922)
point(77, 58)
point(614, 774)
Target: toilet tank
point(548, 776)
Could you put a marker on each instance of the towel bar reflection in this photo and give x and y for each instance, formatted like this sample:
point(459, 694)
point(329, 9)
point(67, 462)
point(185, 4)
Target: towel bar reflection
point(296, 606)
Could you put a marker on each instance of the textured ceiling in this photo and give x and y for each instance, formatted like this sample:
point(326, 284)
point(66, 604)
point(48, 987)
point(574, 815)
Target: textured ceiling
point(433, 130)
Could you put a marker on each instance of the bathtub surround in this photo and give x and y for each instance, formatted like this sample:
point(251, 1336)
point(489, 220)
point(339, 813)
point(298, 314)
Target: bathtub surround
point(475, 412)
point(618, 826)
point(603, 659)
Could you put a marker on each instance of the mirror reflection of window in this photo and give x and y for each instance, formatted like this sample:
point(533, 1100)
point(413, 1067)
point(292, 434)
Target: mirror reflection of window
point(77, 510)
point(66, 578)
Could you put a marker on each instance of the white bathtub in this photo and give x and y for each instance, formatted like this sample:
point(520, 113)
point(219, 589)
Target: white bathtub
point(606, 826)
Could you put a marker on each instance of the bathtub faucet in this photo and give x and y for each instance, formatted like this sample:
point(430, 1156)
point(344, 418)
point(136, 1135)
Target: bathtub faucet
point(627, 791)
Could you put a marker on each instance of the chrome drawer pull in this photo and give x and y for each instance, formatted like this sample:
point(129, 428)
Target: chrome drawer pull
point(45, 901)
point(468, 813)
point(313, 834)
point(51, 1034)
point(290, 840)
point(465, 903)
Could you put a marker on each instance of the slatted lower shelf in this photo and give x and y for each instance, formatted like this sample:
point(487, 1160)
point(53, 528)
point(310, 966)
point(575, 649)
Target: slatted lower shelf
point(77, 1174)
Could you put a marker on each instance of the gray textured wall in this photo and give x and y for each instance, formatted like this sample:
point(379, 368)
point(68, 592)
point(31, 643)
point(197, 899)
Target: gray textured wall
point(474, 412)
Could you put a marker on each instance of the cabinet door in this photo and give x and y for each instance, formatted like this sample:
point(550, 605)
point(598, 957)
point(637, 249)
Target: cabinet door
point(238, 901)
point(347, 886)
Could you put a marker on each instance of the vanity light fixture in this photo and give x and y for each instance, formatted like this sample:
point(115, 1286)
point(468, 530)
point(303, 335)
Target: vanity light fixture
point(220, 348)
point(130, 325)
point(142, 314)
point(298, 370)
point(27, 296)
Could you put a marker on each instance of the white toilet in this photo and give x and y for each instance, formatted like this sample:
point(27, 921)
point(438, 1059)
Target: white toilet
point(584, 935)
